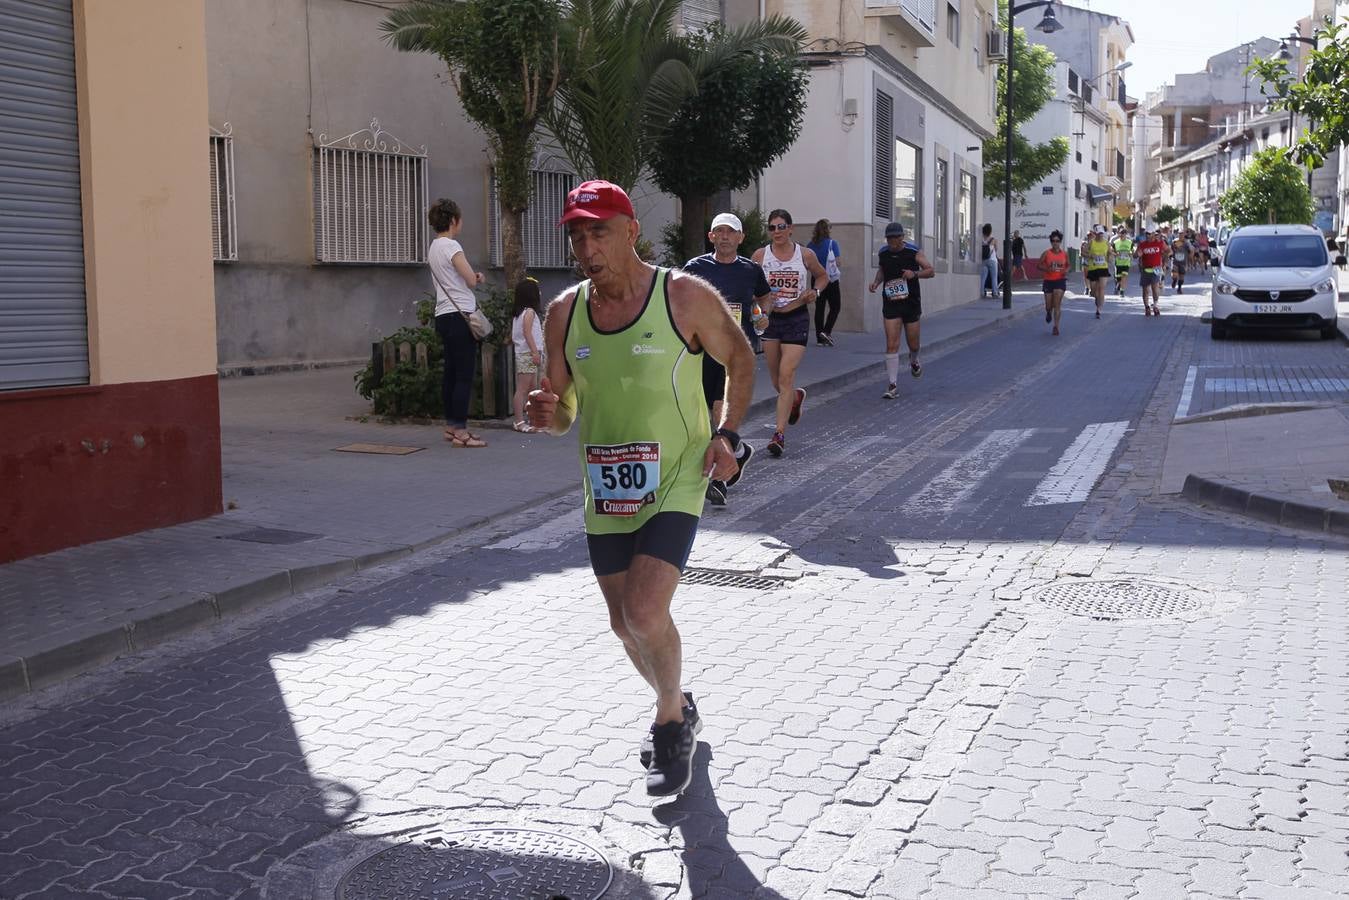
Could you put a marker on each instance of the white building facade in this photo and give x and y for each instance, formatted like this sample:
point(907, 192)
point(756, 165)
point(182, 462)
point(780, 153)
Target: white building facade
point(901, 101)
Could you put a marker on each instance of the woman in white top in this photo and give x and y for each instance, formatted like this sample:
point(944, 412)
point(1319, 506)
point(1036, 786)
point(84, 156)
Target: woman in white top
point(455, 280)
point(527, 336)
point(796, 279)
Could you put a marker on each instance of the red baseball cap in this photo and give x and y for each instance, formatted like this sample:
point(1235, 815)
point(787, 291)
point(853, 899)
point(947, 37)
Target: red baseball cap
point(596, 200)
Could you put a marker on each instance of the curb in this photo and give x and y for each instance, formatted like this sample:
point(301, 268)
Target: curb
point(51, 662)
point(1276, 510)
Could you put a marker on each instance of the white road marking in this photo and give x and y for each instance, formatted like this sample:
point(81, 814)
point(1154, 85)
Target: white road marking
point(962, 477)
point(1183, 407)
point(1080, 466)
point(1277, 385)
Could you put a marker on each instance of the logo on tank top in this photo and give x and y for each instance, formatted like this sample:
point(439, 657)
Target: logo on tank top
point(647, 350)
point(582, 352)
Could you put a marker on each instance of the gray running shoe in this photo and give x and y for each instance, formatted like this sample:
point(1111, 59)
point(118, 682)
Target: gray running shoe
point(690, 715)
point(671, 768)
point(891, 392)
point(716, 493)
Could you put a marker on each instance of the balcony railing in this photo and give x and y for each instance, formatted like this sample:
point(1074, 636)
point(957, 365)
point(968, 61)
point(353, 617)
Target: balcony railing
point(921, 13)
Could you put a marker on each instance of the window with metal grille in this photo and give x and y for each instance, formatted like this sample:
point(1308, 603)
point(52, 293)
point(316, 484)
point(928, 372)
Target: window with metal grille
point(965, 215)
point(545, 245)
point(939, 208)
point(224, 240)
point(884, 195)
point(698, 14)
point(370, 199)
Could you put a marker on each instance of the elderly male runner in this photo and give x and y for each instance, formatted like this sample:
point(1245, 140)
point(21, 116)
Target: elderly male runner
point(625, 353)
point(742, 284)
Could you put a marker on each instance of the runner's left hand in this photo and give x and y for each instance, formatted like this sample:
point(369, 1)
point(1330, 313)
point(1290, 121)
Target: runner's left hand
point(718, 461)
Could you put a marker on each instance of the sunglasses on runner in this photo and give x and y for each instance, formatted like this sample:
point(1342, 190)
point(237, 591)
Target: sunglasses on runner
point(781, 226)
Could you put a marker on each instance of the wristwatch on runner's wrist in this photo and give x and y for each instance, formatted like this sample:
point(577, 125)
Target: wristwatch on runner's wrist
point(731, 437)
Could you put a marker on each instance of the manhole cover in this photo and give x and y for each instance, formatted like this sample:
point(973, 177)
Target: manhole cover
point(481, 864)
point(271, 536)
point(1130, 598)
point(731, 580)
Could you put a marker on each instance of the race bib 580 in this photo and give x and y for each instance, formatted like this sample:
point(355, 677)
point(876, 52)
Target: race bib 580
point(623, 477)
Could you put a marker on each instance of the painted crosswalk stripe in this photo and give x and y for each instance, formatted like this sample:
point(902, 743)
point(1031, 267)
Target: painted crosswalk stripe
point(1081, 465)
point(1277, 385)
point(1186, 395)
point(962, 477)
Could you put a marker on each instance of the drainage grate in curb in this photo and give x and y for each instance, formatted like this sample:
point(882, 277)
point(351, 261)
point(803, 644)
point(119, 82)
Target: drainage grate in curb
point(481, 864)
point(271, 536)
point(713, 578)
point(1128, 598)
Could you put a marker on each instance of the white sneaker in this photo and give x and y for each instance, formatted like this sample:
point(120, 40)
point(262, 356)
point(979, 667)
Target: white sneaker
point(891, 392)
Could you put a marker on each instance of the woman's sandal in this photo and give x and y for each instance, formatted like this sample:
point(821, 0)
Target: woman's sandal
point(465, 438)
point(524, 428)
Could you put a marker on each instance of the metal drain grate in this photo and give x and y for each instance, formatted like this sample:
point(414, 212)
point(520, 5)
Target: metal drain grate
point(481, 864)
point(1131, 598)
point(713, 578)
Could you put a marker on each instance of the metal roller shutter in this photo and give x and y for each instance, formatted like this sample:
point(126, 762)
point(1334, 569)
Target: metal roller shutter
point(43, 335)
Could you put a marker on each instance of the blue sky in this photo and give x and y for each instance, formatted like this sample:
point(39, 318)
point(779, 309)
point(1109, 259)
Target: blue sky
point(1175, 36)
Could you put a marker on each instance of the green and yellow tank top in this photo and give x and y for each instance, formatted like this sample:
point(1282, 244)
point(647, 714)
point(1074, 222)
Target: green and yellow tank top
point(1097, 254)
point(642, 418)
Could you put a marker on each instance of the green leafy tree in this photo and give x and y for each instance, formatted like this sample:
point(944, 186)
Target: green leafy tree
point(746, 114)
point(632, 72)
point(1032, 88)
point(1320, 98)
point(1271, 189)
point(1167, 213)
point(505, 61)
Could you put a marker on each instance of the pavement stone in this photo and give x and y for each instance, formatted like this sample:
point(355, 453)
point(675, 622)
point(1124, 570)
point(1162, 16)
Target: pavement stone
point(902, 720)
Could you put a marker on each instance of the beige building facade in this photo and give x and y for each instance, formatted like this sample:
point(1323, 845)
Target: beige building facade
point(109, 418)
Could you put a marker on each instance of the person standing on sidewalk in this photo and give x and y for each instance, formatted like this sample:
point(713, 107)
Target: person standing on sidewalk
point(1054, 263)
point(1018, 256)
point(796, 278)
point(455, 302)
point(826, 251)
point(988, 263)
point(527, 339)
point(900, 265)
point(622, 353)
point(742, 285)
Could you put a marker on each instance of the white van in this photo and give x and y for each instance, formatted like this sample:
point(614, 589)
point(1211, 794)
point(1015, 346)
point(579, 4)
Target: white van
point(1274, 276)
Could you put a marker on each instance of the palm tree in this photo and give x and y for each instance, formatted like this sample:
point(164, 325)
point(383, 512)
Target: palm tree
point(505, 61)
point(632, 72)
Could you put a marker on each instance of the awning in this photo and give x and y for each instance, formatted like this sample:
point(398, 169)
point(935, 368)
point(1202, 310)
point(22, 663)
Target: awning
point(1097, 194)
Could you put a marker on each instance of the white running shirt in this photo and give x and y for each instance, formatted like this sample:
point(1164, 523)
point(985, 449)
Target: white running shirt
point(787, 279)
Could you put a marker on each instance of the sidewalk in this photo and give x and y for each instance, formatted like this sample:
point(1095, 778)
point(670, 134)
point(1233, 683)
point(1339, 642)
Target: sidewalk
point(300, 515)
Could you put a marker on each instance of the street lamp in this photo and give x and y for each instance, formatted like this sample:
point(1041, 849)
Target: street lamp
point(1285, 56)
point(1049, 24)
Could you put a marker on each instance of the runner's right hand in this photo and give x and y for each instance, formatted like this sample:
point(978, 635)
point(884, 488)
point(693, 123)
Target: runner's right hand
point(540, 405)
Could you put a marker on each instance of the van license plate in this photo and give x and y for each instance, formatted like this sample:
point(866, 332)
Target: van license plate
point(1273, 308)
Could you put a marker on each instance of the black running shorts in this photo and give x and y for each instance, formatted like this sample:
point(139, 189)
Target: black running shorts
point(1097, 274)
point(789, 328)
point(714, 379)
point(908, 311)
point(667, 536)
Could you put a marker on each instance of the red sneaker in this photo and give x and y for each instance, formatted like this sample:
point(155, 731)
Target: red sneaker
point(796, 406)
point(777, 445)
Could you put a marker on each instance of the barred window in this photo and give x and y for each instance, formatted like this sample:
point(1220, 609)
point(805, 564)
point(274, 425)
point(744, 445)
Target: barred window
point(370, 199)
point(884, 194)
point(545, 245)
point(224, 240)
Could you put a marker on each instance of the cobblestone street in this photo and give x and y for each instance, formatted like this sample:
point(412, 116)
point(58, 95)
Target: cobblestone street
point(901, 707)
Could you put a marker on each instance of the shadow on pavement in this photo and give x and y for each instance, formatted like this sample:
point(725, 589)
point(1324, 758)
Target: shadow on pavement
point(712, 866)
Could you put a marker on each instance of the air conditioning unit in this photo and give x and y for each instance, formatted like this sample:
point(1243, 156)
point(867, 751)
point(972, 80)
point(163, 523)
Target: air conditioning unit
point(997, 46)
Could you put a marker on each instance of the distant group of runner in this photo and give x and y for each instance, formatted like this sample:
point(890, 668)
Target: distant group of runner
point(1101, 256)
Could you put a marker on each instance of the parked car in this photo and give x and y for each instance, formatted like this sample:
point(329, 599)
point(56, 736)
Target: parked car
point(1274, 276)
